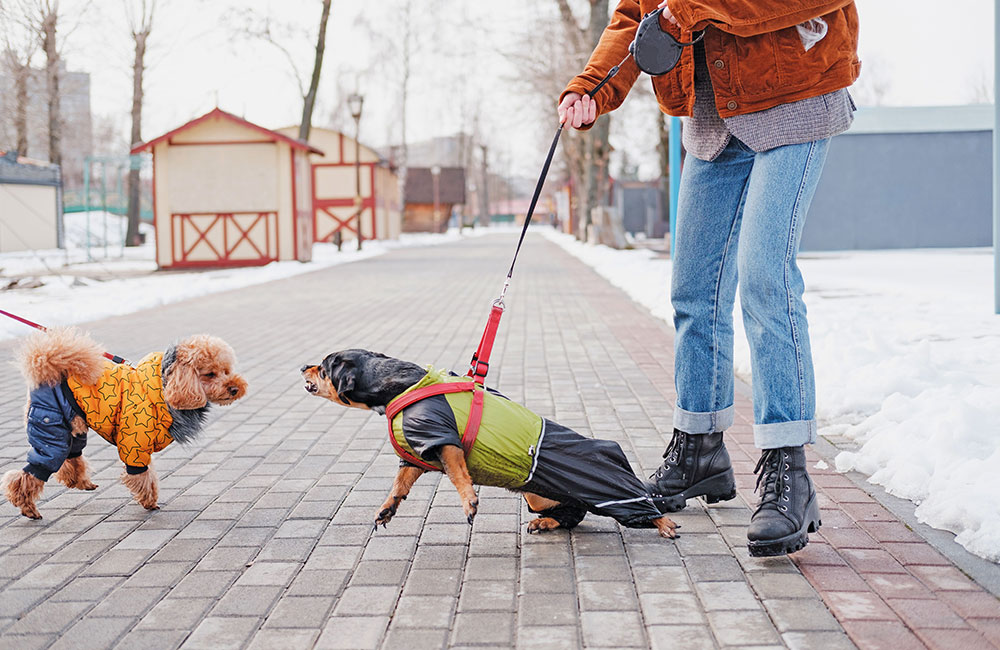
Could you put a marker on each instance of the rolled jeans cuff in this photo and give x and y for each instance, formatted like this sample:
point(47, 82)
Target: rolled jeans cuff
point(698, 423)
point(784, 434)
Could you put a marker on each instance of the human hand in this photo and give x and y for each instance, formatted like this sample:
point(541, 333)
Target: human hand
point(666, 12)
point(577, 110)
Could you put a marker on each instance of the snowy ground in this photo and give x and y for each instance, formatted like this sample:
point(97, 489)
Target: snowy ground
point(907, 356)
point(75, 290)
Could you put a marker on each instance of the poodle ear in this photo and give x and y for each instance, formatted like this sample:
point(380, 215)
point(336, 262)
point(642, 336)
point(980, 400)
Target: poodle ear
point(183, 389)
point(341, 372)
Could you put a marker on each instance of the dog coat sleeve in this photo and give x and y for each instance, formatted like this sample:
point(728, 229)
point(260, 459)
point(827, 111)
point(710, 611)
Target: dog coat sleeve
point(429, 425)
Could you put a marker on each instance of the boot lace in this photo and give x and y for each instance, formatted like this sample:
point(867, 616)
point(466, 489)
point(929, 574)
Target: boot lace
point(671, 454)
point(772, 479)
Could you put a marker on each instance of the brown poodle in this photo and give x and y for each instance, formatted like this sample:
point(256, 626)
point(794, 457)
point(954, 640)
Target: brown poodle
point(140, 409)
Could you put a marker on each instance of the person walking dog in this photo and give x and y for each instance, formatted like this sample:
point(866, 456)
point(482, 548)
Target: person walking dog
point(763, 93)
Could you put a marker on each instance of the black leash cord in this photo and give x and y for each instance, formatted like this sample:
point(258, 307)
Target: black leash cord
point(545, 169)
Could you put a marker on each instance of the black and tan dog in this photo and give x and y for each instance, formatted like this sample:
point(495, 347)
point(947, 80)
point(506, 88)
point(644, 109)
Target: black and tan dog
point(561, 474)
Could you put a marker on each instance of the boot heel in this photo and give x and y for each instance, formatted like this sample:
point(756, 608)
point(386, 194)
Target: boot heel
point(715, 498)
point(814, 518)
point(721, 487)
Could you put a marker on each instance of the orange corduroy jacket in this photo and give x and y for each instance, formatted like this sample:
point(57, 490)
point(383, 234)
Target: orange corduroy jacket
point(755, 55)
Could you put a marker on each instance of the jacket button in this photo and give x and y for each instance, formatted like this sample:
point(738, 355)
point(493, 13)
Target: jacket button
point(45, 419)
point(720, 64)
point(732, 105)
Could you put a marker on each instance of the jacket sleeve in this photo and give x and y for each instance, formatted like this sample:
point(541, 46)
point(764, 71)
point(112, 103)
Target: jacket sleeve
point(610, 51)
point(750, 17)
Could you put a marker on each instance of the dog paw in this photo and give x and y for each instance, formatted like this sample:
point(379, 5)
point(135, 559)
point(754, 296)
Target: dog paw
point(542, 523)
point(87, 485)
point(470, 508)
point(31, 512)
point(384, 516)
point(666, 527)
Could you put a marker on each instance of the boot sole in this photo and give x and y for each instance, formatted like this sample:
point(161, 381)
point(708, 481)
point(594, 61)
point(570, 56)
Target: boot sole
point(790, 543)
point(721, 487)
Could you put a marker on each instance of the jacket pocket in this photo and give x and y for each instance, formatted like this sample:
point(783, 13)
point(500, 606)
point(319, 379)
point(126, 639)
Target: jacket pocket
point(47, 431)
point(757, 61)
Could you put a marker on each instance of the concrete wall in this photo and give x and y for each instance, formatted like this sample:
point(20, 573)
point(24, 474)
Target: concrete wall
point(906, 178)
point(27, 217)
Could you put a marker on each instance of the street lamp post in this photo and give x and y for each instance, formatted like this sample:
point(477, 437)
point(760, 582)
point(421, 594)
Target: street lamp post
point(436, 174)
point(354, 103)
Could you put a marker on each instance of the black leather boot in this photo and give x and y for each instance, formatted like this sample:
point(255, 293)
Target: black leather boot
point(788, 509)
point(693, 466)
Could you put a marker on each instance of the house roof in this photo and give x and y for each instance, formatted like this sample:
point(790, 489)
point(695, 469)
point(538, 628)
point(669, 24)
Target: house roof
point(420, 185)
point(25, 171)
point(922, 119)
point(219, 113)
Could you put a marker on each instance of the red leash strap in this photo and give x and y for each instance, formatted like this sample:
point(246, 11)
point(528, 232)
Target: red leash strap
point(115, 358)
point(471, 425)
point(481, 359)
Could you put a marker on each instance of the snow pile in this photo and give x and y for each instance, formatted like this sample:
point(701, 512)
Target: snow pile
point(105, 229)
point(905, 346)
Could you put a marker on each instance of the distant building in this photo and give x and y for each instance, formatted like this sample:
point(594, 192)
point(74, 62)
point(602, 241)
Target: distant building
point(230, 193)
point(446, 151)
point(334, 183)
point(431, 198)
point(77, 131)
point(30, 210)
point(907, 177)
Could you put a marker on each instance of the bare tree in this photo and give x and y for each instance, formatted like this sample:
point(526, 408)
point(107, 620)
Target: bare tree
point(140, 22)
point(310, 96)
point(587, 153)
point(279, 34)
point(18, 49)
point(43, 19)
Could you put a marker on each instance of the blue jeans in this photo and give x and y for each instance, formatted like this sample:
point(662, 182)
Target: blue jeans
point(741, 216)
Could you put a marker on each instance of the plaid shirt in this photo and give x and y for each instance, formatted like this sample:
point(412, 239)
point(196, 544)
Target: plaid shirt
point(706, 134)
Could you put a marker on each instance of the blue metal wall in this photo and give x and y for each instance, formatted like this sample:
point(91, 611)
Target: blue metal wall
point(903, 190)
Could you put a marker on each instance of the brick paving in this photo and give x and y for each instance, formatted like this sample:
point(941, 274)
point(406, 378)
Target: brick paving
point(264, 536)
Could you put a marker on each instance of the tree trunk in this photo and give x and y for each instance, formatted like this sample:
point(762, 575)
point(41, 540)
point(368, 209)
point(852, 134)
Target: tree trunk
point(598, 150)
point(484, 192)
point(52, 84)
point(138, 67)
point(404, 151)
point(310, 99)
point(21, 75)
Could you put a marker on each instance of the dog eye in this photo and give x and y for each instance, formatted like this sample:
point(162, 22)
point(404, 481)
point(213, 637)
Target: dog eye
point(322, 373)
point(209, 375)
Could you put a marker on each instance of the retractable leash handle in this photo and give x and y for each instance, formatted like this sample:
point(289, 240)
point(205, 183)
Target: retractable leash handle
point(114, 357)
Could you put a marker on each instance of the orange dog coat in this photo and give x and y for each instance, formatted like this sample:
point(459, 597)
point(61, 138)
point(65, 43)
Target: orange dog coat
point(126, 407)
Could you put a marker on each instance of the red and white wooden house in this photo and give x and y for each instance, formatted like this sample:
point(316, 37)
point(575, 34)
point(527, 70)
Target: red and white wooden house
point(227, 192)
point(334, 184)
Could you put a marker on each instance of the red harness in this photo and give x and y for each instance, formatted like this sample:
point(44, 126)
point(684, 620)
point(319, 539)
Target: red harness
point(477, 373)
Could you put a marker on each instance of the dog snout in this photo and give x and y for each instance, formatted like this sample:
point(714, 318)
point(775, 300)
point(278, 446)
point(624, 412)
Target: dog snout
point(233, 390)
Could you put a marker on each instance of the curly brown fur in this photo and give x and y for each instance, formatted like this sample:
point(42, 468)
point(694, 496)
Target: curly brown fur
point(22, 490)
point(46, 358)
point(199, 370)
point(75, 474)
point(144, 487)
